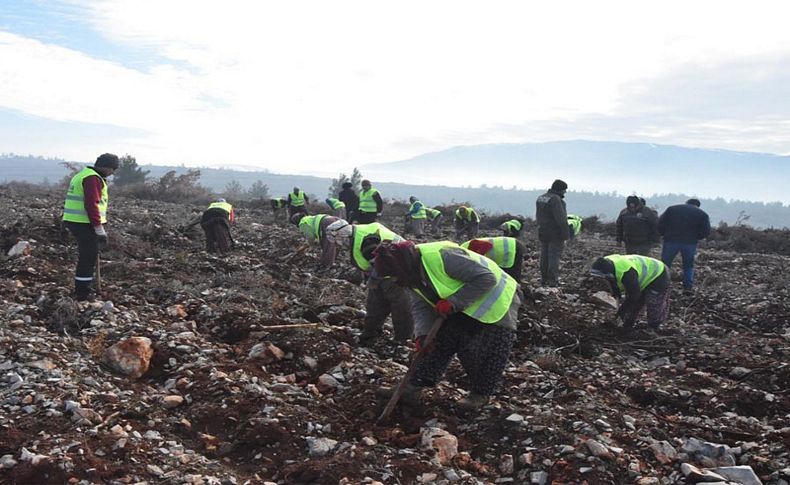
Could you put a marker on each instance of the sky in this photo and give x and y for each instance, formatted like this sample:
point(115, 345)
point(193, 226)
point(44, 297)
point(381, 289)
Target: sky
point(319, 87)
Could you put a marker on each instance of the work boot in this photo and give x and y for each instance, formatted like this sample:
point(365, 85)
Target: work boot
point(473, 402)
point(82, 290)
point(368, 337)
point(411, 394)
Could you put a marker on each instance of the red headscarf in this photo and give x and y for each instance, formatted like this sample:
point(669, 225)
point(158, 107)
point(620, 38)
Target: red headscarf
point(400, 260)
point(480, 246)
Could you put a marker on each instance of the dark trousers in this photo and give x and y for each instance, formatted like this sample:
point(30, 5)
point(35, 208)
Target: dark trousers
point(365, 217)
point(88, 250)
point(550, 254)
point(642, 249)
point(218, 238)
point(483, 350)
point(384, 300)
point(687, 252)
point(518, 263)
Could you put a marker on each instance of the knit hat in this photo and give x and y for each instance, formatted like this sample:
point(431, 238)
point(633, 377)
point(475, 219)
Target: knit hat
point(602, 268)
point(694, 202)
point(632, 200)
point(412, 199)
point(480, 246)
point(559, 185)
point(399, 260)
point(107, 160)
point(347, 185)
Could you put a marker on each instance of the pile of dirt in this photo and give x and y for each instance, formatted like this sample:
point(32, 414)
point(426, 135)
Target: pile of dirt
point(232, 395)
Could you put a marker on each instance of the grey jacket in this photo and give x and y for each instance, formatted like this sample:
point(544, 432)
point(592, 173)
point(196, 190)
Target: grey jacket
point(551, 217)
point(478, 280)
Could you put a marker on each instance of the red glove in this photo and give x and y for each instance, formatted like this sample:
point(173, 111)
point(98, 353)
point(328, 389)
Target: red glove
point(444, 307)
point(419, 344)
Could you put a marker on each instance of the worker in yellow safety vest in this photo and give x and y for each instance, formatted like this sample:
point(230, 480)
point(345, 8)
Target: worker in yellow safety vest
point(467, 223)
point(84, 214)
point(320, 229)
point(370, 204)
point(216, 221)
point(514, 228)
point(297, 202)
point(507, 252)
point(642, 281)
point(435, 217)
point(415, 218)
point(278, 205)
point(574, 226)
point(338, 207)
point(480, 305)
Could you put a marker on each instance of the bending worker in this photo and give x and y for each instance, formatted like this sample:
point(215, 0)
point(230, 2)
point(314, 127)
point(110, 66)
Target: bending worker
point(320, 229)
point(338, 206)
point(435, 216)
point(466, 223)
point(384, 297)
point(574, 226)
point(642, 280)
point(415, 218)
point(216, 221)
point(84, 214)
point(514, 228)
point(278, 209)
point(479, 301)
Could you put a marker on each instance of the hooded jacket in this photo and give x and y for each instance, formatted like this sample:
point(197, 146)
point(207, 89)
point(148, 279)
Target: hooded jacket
point(552, 217)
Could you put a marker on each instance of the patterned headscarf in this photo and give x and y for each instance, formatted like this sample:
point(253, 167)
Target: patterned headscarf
point(399, 260)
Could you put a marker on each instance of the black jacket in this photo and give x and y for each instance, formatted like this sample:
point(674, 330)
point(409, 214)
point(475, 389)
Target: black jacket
point(638, 227)
point(684, 223)
point(552, 217)
point(350, 198)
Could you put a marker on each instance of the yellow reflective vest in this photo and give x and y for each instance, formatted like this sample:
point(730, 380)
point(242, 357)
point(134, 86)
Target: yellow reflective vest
point(359, 233)
point(366, 201)
point(503, 252)
point(297, 200)
point(74, 207)
point(576, 224)
point(311, 226)
point(489, 308)
point(647, 269)
point(420, 214)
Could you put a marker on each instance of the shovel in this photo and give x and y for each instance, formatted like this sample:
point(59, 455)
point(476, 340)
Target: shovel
point(412, 369)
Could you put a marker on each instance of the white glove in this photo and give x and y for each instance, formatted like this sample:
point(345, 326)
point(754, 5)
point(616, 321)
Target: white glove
point(99, 230)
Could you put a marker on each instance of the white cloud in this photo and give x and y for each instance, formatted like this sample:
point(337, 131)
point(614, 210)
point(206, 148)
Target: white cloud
point(317, 85)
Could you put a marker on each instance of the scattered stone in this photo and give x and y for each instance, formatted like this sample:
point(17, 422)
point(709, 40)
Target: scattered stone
point(599, 450)
point(506, 464)
point(739, 372)
point(444, 444)
point(695, 474)
point(7, 462)
point(172, 401)
point(22, 248)
point(326, 383)
point(319, 447)
point(539, 478)
point(130, 357)
point(266, 353)
point(154, 470)
point(664, 452)
point(515, 418)
point(604, 299)
point(33, 458)
point(740, 474)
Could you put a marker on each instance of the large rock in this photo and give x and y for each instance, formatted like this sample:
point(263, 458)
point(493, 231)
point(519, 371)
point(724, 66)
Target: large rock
point(741, 474)
point(664, 452)
point(444, 444)
point(709, 454)
point(22, 248)
point(318, 447)
point(130, 357)
point(604, 299)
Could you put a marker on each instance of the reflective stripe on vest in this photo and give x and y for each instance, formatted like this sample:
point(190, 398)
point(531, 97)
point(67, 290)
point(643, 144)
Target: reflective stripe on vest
point(366, 202)
point(311, 226)
point(489, 308)
point(576, 223)
point(359, 233)
point(336, 204)
point(297, 200)
point(74, 206)
point(503, 250)
point(420, 214)
point(647, 269)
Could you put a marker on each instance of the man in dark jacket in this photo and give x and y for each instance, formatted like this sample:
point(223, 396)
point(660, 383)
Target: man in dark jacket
point(350, 198)
point(682, 226)
point(637, 226)
point(552, 219)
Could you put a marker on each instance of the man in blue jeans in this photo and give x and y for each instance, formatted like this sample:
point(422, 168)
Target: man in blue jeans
point(682, 226)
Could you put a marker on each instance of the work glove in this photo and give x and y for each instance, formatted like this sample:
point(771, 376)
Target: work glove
point(444, 307)
point(101, 236)
point(419, 345)
point(378, 214)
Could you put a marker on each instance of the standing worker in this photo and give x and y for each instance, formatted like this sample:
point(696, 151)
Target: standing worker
point(84, 214)
point(415, 218)
point(435, 216)
point(642, 280)
point(350, 198)
point(297, 202)
point(320, 229)
point(278, 209)
point(338, 206)
point(552, 219)
point(384, 297)
point(370, 204)
point(507, 252)
point(216, 221)
point(479, 301)
point(574, 226)
point(637, 226)
point(682, 226)
point(514, 228)
point(467, 223)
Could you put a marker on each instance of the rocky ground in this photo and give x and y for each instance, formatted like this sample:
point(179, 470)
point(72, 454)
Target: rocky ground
point(233, 395)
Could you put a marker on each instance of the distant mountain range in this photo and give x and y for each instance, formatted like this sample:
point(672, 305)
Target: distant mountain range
point(624, 168)
point(603, 203)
